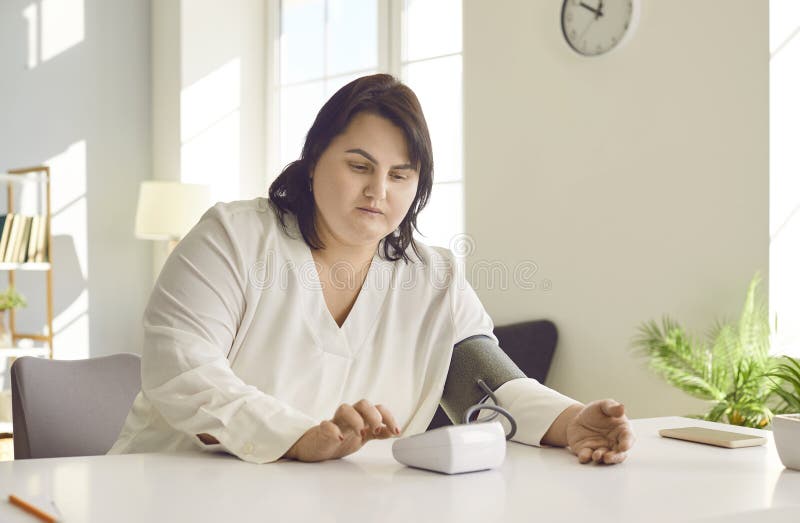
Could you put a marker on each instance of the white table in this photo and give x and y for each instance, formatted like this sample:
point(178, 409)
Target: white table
point(662, 480)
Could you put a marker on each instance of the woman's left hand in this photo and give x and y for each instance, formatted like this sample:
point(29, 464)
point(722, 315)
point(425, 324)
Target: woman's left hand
point(600, 432)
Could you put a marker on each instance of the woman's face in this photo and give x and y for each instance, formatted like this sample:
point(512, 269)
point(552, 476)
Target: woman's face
point(365, 167)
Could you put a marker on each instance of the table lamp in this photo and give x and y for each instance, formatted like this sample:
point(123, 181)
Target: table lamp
point(167, 210)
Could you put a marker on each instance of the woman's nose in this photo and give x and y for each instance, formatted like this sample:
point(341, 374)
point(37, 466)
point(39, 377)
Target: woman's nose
point(376, 188)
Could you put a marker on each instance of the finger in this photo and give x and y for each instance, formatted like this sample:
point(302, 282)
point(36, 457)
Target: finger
point(348, 419)
point(626, 439)
point(385, 433)
point(585, 455)
point(613, 457)
point(388, 419)
point(612, 408)
point(597, 455)
point(372, 417)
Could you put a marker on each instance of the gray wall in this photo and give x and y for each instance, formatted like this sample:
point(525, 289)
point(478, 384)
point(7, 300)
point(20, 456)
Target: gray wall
point(637, 182)
point(85, 108)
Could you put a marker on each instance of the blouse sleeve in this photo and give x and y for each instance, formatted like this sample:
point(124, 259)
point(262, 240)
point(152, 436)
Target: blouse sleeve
point(534, 406)
point(469, 316)
point(190, 323)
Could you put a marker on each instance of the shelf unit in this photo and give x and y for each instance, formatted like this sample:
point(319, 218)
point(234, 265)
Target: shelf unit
point(33, 175)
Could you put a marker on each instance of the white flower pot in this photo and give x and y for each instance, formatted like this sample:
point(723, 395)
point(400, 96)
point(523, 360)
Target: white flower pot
point(786, 430)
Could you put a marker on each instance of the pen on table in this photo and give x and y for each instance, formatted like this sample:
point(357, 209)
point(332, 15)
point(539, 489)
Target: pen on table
point(27, 507)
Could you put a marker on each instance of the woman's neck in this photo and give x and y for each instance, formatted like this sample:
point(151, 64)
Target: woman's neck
point(337, 252)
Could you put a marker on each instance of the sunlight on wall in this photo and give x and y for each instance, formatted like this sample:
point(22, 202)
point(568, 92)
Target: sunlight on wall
point(62, 26)
point(54, 26)
point(70, 256)
point(31, 16)
point(210, 131)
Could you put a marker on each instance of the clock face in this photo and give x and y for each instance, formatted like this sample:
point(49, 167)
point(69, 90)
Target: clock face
point(594, 27)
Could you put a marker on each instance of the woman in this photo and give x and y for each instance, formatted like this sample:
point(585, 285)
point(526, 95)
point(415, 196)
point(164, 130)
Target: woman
point(271, 316)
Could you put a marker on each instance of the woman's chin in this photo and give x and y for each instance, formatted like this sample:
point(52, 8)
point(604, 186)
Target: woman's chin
point(368, 236)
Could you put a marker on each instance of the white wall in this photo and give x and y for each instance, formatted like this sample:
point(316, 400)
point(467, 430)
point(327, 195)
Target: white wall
point(222, 68)
point(74, 92)
point(637, 181)
point(208, 72)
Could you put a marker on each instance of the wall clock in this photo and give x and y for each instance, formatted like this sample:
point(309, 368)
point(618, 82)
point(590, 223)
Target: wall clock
point(595, 27)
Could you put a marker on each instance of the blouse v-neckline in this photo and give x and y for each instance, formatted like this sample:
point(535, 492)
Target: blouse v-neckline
point(359, 279)
point(348, 339)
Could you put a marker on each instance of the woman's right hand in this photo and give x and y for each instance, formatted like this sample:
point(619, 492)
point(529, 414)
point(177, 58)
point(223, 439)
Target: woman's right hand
point(351, 427)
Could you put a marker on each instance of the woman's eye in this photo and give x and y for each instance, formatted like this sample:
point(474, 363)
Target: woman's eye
point(398, 177)
point(358, 167)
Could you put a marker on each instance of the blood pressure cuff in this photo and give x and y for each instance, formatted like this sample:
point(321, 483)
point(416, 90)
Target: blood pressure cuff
point(474, 358)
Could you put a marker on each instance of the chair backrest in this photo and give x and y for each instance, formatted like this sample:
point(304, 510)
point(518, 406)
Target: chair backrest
point(71, 407)
point(529, 344)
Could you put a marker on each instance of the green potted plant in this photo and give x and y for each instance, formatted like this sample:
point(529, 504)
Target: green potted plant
point(787, 384)
point(786, 423)
point(9, 299)
point(730, 368)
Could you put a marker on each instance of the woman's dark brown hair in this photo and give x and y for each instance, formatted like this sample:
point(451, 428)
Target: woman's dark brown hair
point(379, 94)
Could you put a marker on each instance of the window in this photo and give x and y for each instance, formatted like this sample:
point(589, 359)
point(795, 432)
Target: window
point(324, 44)
point(431, 65)
point(784, 205)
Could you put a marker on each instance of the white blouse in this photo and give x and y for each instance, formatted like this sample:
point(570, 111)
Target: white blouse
point(239, 342)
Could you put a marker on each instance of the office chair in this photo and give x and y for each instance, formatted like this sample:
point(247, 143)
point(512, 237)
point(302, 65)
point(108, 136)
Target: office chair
point(71, 408)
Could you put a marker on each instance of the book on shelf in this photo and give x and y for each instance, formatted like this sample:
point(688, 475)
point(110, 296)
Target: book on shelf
point(22, 245)
point(13, 232)
point(43, 243)
point(30, 256)
point(13, 238)
point(23, 220)
point(6, 220)
point(19, 223)
point(23, 239)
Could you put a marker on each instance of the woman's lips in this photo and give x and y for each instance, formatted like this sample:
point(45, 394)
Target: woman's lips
point(369, 211)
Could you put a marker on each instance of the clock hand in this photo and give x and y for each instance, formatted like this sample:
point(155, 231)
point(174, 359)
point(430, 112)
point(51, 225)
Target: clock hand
point(597, 12)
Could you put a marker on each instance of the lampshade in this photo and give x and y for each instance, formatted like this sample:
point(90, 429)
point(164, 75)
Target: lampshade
point(167, 210)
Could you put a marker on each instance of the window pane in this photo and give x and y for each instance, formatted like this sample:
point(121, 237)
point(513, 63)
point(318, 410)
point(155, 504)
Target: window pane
point(352, 35)
point(302, 40)
point(334, 84)
point(299, 106)
point(437, 84)
point(784, 205)
point(784, 287)
point(443, 217)
point(432, 28)
point(784, 120)
point(784, 20)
